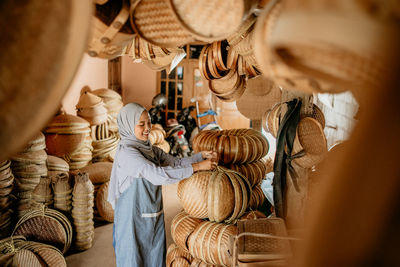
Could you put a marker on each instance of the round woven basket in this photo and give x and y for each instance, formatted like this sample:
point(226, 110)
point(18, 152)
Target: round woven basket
point(103, 206)
point(99, 172)
point(257, 198)
point(182, 226)
point(254, 172)
point(164, 145)
point(310, 138)
point(46, 226)
point(200, 263)
point(210, 243)
point(176, 257)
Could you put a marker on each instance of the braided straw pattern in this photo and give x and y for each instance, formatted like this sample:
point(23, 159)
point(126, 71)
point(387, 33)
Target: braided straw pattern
point(25, 257)
point(154, 21)
point(182, 226)
point(82, 211)
point(194, 194)
point(254, 172)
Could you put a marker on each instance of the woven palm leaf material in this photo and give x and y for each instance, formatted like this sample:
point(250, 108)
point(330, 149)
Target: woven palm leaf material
point(177, 257)
point(6, 186)
point(50, 255)
point(257, 198)
point(200, 263)
point(156, 136)
point(56, 165)
point(65, 134)
point(82, 211)
point(255, 243)
point(104, 149)
point(46, 226)
point(37, 143)
point(43, 194)
point(254, 172)
point(233, 146)
point(210, 242)
point(182, 226)
point(62, 193)
point(24, 257)
point(104, 207)
point(91, 108)
point(99, 172)
point(219, 195)
point(82, 156)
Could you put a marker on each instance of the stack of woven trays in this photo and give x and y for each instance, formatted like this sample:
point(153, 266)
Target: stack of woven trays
point(82, 211)
point(17, 251)
point(68, 137)
point(91, 108)
point(56, 165)
point(241, 150)
point(6, 186)
point(28, 167)
point(104, 143)
point(157, 138)
point(99, 174)
point(113, 103)
point(46, 226)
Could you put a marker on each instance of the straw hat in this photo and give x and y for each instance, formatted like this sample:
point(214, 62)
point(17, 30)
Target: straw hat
point(260, 95)
point(42, 49)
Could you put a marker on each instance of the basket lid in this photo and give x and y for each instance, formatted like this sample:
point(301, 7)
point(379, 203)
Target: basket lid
point(88, 100)
point(56, 163)
point(106, 93)
point(67, 120)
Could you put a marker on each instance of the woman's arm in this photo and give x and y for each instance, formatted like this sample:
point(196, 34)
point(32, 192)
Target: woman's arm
point(169, 160)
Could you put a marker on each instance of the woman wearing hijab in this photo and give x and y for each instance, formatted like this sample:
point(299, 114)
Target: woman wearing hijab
point(139, 170)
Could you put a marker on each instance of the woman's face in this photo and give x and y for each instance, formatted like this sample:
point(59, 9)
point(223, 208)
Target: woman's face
point(143, 127)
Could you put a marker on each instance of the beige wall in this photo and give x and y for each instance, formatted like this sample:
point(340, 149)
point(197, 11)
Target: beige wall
point(139, 82)
point(92, 72)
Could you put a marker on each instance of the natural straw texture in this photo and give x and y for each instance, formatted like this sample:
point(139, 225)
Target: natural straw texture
point(103, 206)
point(182, 226)
point(176, 257)
point(62, 193)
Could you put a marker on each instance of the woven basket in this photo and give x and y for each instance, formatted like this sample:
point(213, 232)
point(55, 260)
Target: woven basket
point(210, 243)
point(254, 172)
point(233, 146)
point(110, 33)
point(261, 94)
point(82, 211)
point(156, 136)
point(62, 193)
point(182, 226)
point(105, 149)
point(37, 143)
point(257, 198)
point(24, 257)
point(99, 172)
point(311, 139)
point(271, 119)
point(50, 255)
point(200, 263)
point(56, 164)
point(260, 249)
point(103, 206)
point(42, 194)
point(164, 145)
point(177, 257)
point(253, 215)
point(46, 226)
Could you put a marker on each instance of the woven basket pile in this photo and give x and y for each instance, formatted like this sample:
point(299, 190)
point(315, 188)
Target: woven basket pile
point(17, 251)
point(219, 195)
point(105, 145)
point(6, 187)
point(28, 167)
point(91, 108)
point(62, 193)
point(157, 138)
point(204, 240)
point(177, 257)
point(46, 226)
point(68, 137)
point(56, 165)
point(113, 103)
point(99, 174)
point(82, 211)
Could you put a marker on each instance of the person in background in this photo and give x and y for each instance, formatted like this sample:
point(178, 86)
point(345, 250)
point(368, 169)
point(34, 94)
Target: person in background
point(138, 171)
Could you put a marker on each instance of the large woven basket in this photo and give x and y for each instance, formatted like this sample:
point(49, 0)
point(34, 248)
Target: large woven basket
point(103, 206)
point(98, 172)
point(176, 257)
point(210, 243)
point(46, 226)
point(182, 226)
point(254, 172)
point(62, 193)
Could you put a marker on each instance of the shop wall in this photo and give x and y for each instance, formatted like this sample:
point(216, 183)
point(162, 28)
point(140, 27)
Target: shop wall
point(92, 72)
point(138, 82)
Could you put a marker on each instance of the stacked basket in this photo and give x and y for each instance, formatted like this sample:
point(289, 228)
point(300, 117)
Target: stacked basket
point(6, 186)
point(99, 174)
point(56, 165)
point(46, 226)
point(62, 193)
point(68, 137)
point(156, 137)
point(43, 194)
point(28, 167)
point(82, 212)
point(91, 108)
point(104, 144)
point(113, 103)
point(16, 251)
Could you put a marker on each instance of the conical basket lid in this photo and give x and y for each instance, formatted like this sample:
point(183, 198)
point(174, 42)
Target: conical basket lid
point(88, 100)
point(106, 93)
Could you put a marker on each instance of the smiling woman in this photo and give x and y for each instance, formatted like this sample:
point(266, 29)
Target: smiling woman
point(139, 170)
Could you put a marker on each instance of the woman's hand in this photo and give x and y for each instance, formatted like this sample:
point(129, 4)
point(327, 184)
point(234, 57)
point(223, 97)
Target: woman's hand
point(210, 155)
point(204, 165)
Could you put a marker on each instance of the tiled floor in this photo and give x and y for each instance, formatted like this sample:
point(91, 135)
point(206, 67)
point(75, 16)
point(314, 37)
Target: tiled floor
point(102, 252)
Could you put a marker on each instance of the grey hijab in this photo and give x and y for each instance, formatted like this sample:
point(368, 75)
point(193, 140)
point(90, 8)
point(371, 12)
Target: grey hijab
point(127, 119)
